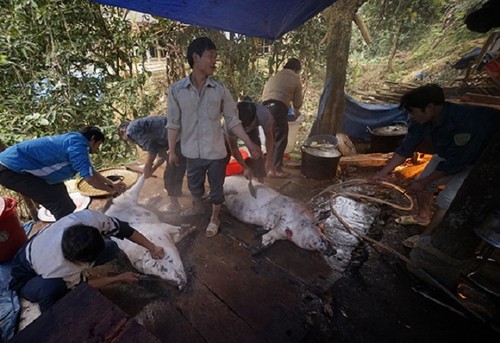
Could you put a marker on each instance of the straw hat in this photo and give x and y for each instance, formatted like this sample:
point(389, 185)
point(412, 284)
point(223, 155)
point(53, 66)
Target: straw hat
point(129, 178)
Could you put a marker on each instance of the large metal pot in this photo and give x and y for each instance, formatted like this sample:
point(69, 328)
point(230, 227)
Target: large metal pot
point(489, 229)
point(320, 157)
point(387, 138)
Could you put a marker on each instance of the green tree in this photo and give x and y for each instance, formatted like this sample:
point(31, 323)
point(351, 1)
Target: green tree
point(67, 63)
point(420, 27)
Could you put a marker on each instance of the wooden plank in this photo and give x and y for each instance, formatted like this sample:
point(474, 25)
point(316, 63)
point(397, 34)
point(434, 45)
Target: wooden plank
point(402, 84)
point(390, 93)
point(149, 303)
point(211, 316)
point(304, 266)
point(168, 323)
point(131, 332)
point(457, 101)
point(307, 267)
point(89, 317)
point(309, 189)
point(207, 312)
point(365, 160)
point(256, 291)
point(386, 99)
point(355, 91)
point(481, 98)
point(246, 234)
point(100, 203)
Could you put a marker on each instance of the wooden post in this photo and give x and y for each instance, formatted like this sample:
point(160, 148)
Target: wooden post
point(332, 103)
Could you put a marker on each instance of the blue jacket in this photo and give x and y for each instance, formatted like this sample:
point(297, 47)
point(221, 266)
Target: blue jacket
point(460, 135)
point(52, 158)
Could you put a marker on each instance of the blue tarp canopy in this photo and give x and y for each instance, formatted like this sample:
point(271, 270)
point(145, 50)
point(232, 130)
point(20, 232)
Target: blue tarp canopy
point(268, 19)
point(358, 117)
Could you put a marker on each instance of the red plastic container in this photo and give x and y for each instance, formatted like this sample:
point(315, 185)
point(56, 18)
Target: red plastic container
point(12, 235)
point(233, 167)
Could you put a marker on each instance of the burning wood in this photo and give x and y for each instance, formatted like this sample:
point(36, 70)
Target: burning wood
point(413, 168)
point(365, 160)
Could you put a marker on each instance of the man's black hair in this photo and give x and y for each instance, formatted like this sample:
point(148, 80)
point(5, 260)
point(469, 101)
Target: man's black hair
point(81, 243)
point(247, 98)
point(293, 64)
point(247, 113)
point(422, 96)
point(92, 132)
point(199, 46)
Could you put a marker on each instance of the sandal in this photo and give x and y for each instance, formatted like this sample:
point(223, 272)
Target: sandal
point(211, 230)
point(411, 242)
point(410, 220)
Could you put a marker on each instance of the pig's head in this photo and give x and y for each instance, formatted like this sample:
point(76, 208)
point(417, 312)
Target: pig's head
point(307, 235)
point(170, 267)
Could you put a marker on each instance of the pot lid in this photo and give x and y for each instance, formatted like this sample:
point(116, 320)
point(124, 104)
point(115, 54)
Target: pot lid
point(489, 229)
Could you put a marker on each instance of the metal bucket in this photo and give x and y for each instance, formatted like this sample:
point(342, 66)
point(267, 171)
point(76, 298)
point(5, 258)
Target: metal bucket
point(489, 230)
point(12, 234)
point(387, 138)
point(320, 157)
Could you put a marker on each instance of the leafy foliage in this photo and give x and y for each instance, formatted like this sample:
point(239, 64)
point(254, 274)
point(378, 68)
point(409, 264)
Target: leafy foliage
point(66, 64)
point(420, 37)
point(245, 63)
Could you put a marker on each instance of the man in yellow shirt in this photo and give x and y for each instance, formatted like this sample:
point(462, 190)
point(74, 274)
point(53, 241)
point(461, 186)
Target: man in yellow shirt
point(280, 90)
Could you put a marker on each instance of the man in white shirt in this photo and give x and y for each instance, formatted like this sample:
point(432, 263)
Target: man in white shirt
point(196, 106)
point(53, 261)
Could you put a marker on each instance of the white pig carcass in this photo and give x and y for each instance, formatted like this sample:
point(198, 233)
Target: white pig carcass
point(170, 268)
point(282, 216)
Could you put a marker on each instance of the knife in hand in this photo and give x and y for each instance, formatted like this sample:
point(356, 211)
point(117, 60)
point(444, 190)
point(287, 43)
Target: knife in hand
point(251, 188)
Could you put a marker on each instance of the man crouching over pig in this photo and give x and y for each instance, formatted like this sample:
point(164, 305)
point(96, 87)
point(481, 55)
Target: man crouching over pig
point(53, 261)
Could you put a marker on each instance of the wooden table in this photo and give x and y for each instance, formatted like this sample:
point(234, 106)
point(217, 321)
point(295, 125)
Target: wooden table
point(84, 315)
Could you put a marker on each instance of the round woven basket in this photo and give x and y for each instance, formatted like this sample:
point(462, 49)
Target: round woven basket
point(129, 178)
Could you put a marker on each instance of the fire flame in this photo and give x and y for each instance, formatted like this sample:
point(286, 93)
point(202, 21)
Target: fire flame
point(414, 167)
